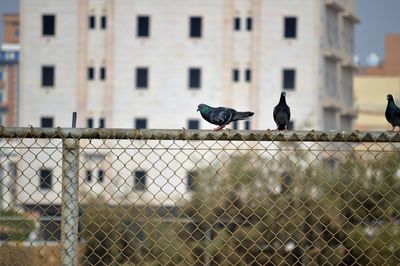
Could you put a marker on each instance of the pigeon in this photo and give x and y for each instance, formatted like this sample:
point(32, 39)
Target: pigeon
point(282, 113)
point(392, 113)
point(221, 116)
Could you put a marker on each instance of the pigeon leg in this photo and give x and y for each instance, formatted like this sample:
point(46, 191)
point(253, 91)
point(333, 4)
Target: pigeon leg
point(391, 130)
point(219, 128)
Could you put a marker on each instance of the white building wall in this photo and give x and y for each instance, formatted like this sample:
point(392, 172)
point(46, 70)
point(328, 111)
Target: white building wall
point(60, 51)
point(168, 53)
point(301, 54)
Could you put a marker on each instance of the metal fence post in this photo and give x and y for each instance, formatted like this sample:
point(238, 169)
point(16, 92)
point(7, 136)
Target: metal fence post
point(70, 208)
point(69, 204)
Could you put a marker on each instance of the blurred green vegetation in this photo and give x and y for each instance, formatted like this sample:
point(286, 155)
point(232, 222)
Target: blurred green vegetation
point(289, 209)
point(15, 226)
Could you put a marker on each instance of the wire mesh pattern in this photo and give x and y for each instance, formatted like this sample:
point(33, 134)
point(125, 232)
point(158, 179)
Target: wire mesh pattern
point(177, 197)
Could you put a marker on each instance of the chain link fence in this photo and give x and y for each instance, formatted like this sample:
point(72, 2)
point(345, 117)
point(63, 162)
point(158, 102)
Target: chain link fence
point(182, 197)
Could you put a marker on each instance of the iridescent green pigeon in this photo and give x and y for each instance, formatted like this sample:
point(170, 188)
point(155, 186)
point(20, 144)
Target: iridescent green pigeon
point(221, 116)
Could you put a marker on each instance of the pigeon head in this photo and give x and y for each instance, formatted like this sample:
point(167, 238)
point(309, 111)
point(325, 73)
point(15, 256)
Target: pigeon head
point(283, 97)
point(203, 108)
point(389, 97)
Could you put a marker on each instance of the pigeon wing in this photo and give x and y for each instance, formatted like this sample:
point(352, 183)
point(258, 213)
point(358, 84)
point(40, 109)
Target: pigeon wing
point(222, 116)
point(275, 112)
point(397, 112)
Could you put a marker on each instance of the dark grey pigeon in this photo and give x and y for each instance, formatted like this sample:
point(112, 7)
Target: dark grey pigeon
point(392, 113)
point(282, 113)
point(221, 116)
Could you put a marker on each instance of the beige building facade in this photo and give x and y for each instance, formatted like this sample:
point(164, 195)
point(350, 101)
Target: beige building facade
point(372, 84)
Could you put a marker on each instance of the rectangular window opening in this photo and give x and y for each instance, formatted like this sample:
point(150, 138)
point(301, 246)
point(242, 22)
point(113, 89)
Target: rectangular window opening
point(48, 25)
point(143, 26)
point(194, 78)
point(195, 27)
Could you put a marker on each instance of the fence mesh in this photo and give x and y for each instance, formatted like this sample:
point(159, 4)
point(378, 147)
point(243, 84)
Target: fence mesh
point(203, 198)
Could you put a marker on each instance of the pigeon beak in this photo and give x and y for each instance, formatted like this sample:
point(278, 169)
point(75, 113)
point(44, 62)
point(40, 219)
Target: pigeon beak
point(198, 109)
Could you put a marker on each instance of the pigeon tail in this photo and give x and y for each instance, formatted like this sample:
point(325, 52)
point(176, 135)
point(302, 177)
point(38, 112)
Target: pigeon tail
point(242, 115)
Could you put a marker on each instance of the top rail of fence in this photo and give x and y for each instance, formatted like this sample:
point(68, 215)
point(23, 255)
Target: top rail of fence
point(184, 134)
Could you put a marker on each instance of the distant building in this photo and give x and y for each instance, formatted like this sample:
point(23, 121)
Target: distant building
point(372, 84)
point(9, 91)
point(125, 63)
point(9, 59)
point(148, 64)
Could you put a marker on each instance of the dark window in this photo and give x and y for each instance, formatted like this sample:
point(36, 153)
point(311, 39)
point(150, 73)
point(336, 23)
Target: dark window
point(103, 73)
point(143, 25)
point(195, 27)
point(248, 75)
point(194, 78)
point(235, 125)
point(291, 125)
point(45, 178)
point(141, 123)
point(193, 124)
point(48, 25)
point(103, 22)
point(141, 78)
point(249, 23)
point(100, 174)
point(289, 79)
point(290, 27)
point(236, 24)
point(247, 125)
point(90, 123)
point(1, 75)
point(191, 179)
point(92, 22)
point(90, 73)
point(236, 75)
point(47, 76)
point(46, 122)
point(140, 180)
point(102, 123)
point(89, 176)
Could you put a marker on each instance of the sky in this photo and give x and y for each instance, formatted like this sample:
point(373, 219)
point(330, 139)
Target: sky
point(378, 18)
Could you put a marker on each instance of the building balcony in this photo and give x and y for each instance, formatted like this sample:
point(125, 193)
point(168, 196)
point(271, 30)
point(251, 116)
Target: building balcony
point(351, 17)
point(348, 63)
point(333, 54)
point(331, 103)
point(348, 111)
point(334, 5)
point(343, 108)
